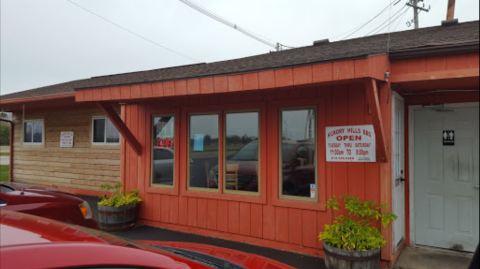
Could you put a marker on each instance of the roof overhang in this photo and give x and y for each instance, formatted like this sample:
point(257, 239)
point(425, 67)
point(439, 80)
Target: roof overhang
point(440, 72)
point(339, 71)
point(43, 101)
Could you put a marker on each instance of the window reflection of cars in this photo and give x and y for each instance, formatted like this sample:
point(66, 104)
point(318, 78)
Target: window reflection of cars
point(242, 165)
point(163, 165)
point(298, 167)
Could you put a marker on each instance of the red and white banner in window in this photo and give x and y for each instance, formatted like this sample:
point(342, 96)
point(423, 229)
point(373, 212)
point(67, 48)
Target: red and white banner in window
point(353, 143)
point(165, 142)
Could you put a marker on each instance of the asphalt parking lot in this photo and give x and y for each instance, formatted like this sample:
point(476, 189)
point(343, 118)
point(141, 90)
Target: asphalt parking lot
point(143, 232)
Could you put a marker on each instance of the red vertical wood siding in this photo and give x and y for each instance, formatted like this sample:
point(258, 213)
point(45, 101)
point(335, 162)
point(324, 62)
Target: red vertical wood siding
point(291, 225)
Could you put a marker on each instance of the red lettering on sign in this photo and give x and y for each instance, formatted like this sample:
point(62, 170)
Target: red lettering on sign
point(367, 133)
point(349, 138)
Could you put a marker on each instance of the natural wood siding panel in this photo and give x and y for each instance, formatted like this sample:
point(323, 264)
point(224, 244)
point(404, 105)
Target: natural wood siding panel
point(85, 166)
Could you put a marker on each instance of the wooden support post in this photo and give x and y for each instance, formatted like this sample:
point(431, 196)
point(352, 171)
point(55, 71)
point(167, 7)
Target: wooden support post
point(121, 127)
point(374, 103)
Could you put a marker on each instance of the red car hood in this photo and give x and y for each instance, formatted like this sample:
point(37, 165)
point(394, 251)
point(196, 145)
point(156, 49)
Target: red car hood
point(23, 229)
point(40, 194)
point(243, 259)
point(18, 229)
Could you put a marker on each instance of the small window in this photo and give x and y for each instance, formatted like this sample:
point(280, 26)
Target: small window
point(33, 131)
point(163, 152)
point(297, 155)
point(104, 132)
point(241, 151)
point(203, 151)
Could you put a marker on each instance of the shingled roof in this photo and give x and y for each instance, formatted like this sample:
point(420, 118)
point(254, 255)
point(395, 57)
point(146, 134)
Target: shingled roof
point(450, 36)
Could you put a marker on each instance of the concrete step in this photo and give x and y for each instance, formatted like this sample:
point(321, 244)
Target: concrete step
point(432, 258)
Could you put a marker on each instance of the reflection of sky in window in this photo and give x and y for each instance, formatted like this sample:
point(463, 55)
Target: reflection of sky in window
point(111, 132)
point(37, 131)
point(164, 130)
point(295, 125)
point(204, 124)
point(241, 124)
point(28, 130)
point(37, 128)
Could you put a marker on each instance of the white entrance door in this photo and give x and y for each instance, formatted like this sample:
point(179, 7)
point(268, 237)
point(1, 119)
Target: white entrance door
point(398, 154)
point(446, 177)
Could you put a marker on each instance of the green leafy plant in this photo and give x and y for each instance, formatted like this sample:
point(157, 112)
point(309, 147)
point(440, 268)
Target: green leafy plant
point(116, 197)
point(358, 228)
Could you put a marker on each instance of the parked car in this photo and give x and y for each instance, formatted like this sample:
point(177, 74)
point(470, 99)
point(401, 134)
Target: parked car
point(298, 167)
point(52, 244)
point(162, 165)
point(46, 203)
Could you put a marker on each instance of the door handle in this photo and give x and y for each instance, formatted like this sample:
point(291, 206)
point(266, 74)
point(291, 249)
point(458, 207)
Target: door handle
point(399, 180)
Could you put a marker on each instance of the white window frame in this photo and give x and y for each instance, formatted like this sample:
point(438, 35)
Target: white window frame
point(105, 132)
point(43, 132)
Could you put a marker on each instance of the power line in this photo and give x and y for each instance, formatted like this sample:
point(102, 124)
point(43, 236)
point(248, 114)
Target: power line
point(399, 21)
point(397, 15)
point(132, 32)
point(355, 30)
point(277, 46)
point(388, 21)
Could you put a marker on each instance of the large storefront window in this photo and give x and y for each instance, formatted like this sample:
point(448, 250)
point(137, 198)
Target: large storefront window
point(203, 151)
point(241, 151)
point(163, 152)
point(298, 165)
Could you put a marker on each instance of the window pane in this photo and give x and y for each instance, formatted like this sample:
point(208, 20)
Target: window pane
point(111, 133)
point(99, 130)
point(37, 131)
point(298, 153)
point(203, 151)
point(241, 151)
point(163, 150)
point(27, 132)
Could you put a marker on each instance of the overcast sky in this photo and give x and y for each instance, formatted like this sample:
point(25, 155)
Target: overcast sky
point(50, 41)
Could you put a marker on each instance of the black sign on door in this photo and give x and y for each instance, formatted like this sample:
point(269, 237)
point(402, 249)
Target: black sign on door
point(448, 137)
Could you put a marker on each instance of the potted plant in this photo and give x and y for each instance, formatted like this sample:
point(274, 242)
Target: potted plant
point(117, 210)
point(354, 239)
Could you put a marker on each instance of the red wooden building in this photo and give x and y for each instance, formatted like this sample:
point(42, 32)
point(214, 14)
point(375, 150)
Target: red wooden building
point(238, 149)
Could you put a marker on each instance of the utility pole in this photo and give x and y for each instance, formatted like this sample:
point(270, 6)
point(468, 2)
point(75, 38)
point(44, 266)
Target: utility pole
point(416, 9)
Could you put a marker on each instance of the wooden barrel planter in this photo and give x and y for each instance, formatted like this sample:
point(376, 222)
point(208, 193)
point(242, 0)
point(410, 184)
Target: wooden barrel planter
point(117, 218)
point(337, 258)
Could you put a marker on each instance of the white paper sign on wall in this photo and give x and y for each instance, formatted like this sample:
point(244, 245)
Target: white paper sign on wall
point(353, 143)
point(66, 139)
